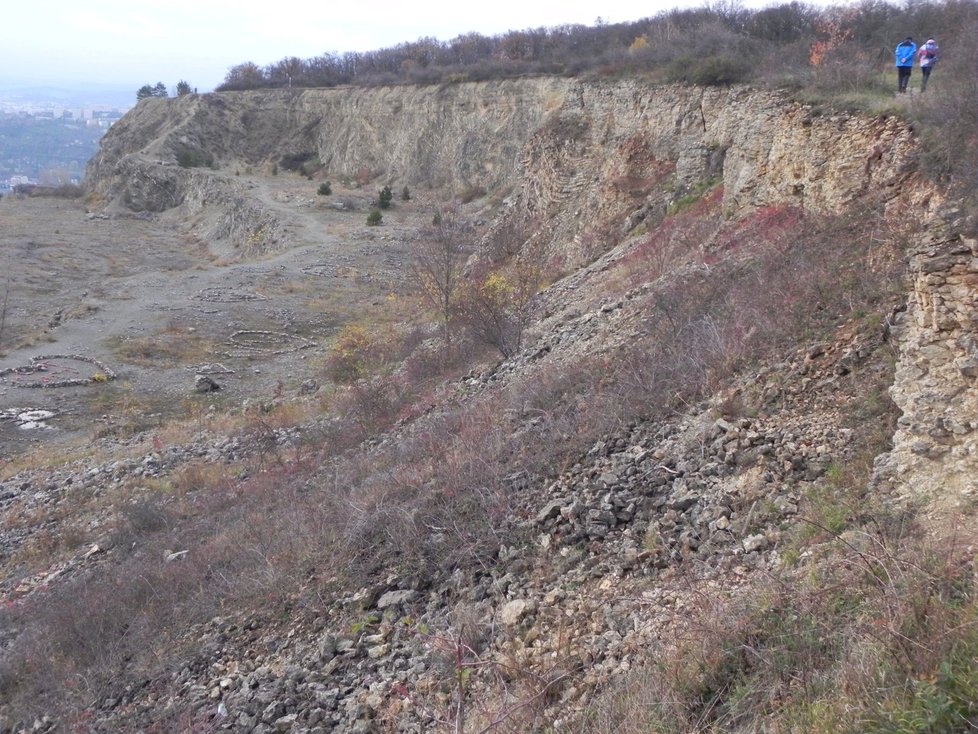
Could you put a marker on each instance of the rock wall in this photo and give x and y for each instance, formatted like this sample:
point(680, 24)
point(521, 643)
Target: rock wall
point(615, 154)
point(583, 163)
point(435, 137)
point(935, 448)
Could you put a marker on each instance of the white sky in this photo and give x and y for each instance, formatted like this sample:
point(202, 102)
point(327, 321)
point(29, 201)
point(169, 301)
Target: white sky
point(135, 42)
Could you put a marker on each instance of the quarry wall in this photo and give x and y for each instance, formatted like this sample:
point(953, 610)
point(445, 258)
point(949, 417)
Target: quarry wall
point(580, 165)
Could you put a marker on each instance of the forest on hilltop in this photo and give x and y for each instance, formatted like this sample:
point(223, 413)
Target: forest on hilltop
point(791, 44)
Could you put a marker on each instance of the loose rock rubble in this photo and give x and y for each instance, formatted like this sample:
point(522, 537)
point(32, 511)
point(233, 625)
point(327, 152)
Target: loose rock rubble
point(612, 555)
point(57, 370)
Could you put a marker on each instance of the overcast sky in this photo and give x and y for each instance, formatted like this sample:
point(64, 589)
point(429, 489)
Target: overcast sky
point(135, 42)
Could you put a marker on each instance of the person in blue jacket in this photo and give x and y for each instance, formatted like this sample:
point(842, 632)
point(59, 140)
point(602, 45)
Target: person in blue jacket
point(905, 52)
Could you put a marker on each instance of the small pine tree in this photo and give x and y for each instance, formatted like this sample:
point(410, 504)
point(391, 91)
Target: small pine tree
point(385, 197)
point(405, 194)
point(374, 218)
point(325, 189)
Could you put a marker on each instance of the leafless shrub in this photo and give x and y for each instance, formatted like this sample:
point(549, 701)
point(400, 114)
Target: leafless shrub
point(510, 237)
point(372, 403)
point(485, 692)
point(439, 253)
point(683, 237)
point(495, 305)
point(429, 361)
point(143, 518)
point(365, 176)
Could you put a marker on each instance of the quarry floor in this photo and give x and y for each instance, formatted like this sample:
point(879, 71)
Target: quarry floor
point(146, 297)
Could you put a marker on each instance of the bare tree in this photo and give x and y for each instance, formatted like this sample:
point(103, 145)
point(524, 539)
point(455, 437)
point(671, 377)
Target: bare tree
point(439, 256)
point(489, 692)
point(243, 76)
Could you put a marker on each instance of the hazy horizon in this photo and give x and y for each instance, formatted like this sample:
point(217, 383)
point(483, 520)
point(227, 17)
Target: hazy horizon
point(65, 93)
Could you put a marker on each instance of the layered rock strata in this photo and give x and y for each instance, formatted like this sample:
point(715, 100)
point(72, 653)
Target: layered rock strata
point(935, 452)
point(580, 162)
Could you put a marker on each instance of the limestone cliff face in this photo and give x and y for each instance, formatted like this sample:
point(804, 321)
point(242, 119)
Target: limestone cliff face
point(610, 155)
point(439, 137)
point(582, 162)
point(935, 453)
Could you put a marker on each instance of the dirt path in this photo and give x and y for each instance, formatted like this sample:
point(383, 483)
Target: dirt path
point(150, 301)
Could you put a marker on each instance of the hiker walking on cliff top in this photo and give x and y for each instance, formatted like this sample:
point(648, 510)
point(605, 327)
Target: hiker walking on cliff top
point(905, 52)
point(929, 55)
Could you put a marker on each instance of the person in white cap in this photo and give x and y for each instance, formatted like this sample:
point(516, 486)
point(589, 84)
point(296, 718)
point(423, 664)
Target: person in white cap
point(928, 56)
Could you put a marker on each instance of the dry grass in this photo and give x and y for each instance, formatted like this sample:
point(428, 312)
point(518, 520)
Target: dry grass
point(202, 476)
point(118, 410)
point(33, 338)
point(41, 459)
point(879, 635)
point(172, 347)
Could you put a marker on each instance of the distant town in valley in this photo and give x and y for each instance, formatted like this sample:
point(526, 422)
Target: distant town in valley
point(48, 135)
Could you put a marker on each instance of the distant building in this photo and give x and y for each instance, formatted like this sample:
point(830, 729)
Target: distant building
point(107, 114)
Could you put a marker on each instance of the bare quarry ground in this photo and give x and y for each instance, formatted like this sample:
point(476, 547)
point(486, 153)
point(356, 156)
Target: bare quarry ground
point(143, 300)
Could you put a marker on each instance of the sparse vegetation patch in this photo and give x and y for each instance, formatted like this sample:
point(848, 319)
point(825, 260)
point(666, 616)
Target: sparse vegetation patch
point(188, 158)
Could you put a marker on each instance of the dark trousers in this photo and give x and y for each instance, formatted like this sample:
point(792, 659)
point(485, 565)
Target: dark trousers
point(903, 73)
point(925, 70)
